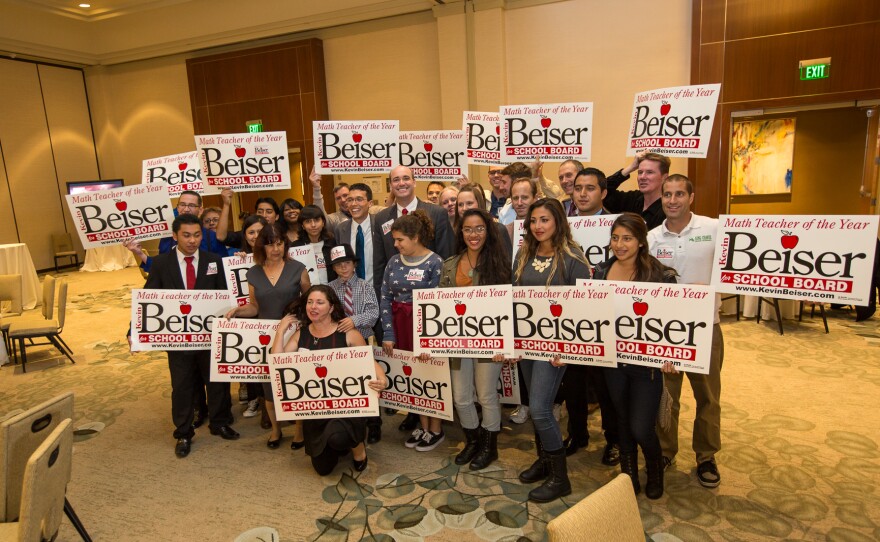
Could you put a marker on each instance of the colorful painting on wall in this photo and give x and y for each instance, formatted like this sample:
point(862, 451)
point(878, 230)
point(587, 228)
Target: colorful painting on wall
point(762, 154)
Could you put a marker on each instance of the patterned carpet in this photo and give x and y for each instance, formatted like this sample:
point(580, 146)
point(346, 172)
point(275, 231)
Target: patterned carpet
point(800, 458)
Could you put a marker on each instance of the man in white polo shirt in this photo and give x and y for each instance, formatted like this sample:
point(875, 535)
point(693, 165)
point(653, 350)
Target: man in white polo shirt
point(686, 242)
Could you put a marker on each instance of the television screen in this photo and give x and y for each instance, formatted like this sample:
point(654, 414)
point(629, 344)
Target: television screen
point(78, 187)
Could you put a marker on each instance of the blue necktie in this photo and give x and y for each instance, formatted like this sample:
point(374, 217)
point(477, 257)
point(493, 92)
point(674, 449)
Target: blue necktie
point(359, 252)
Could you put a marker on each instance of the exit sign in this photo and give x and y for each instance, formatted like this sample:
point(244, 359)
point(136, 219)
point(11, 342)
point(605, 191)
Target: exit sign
point(817, 68)
point(254, 126)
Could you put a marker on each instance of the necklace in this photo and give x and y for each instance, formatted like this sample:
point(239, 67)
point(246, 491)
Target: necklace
point(541, 266)
point(470, 273)
point(315, 339)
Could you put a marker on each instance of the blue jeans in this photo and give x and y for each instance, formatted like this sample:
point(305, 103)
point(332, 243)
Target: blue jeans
point(542, 380)
point(480, 375)
point(635, 391)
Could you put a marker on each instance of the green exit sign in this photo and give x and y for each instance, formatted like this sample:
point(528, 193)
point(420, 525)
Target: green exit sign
point(254, 126)
point(816, 68)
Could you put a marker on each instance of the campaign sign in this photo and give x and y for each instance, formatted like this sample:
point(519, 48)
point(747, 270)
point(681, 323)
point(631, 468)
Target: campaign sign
point(575, 323)
point(245, 162)
point(324, 383)
point(175, 319)
point(305, 255)
point(436, 155)
point(355, 146)
point(421, 387)
point(675, 121)
point(482, 136)
point(826, 258)
point(108, 217)
point(555, 132)
point(659, 322)
point(470, 322)
point(239, 348)
point(236, 269)
point(508, 385)
point(592, 233)
point(179, 171)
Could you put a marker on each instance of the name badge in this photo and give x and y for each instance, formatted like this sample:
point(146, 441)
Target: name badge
point(415, 275)
point(664, 254)
point(212, 268)
point(386, 227)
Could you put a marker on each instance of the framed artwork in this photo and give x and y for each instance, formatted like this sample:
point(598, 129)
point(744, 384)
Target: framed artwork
point(762, 154)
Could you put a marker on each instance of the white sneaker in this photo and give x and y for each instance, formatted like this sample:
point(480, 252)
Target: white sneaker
point(253, 409)
point(520, 414)
point(415, 439)
point(557, 412)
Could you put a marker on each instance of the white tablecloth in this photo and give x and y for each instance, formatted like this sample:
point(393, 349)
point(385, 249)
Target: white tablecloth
point(109, 258)
point(15, 259)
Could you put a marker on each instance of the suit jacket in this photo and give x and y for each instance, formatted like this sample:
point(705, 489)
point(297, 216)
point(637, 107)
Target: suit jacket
point(165, 273)
point(444, 240)
point(343, 235)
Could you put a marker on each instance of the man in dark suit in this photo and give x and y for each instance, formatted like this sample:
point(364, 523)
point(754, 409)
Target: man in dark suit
point(188, 268)
point(403, 188)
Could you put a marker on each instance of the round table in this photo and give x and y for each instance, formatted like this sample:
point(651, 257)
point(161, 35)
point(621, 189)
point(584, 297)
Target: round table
point(108, 258)
point(15, 259)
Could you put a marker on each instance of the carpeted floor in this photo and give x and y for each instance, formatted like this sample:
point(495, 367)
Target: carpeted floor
point(800, 458)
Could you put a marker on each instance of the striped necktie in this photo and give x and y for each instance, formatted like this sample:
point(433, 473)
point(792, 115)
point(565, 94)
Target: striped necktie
point(348, 300)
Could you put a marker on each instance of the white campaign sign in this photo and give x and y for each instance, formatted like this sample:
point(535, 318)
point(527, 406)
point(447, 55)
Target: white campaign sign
point(816, 258)
point(305, 255)
point(355, 146)
point(239, 348)
point(324, 383)
point(574, 322)
point(482, 137)
point(236, 277)
point(675, 121)
point(179, 171)
point(245, 162)
point(659, 322)
point(554, 132)
point(470, 322)
point(437, 155)
point(175, 319)
point(108, 217)
point(421, 387)
point(592, 233)
point(508, 385)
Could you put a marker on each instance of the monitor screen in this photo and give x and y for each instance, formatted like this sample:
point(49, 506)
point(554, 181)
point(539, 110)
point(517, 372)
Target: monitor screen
point(78, 187)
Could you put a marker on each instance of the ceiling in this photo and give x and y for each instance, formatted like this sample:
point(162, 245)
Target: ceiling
point(100, 9)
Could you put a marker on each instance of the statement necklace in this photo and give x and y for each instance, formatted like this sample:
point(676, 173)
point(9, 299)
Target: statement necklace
point(541, 266)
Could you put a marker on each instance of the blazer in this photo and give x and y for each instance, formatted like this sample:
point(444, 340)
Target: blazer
point(165, 273)
point(444, 240)
point(343, 236)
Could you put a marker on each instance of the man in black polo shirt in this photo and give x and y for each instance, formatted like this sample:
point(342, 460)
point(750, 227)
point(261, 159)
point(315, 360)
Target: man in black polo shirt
point(652, 169)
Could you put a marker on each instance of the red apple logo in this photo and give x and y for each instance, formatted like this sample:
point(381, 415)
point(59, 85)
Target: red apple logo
point(121, 205)
point(239, 151)
point(788, 240)
point(664, 109)
point(356, 137)
point(640, 307)
point(265, 339)
point(460, 308)
point(320, 370)
point(545, 121)
point(555, 308)
point(185, 308)
point(407, 370)
point(181, 166)
point(428, 146)
point(497, 130)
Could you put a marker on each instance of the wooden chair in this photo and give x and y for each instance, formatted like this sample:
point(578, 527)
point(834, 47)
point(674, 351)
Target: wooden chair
point(62, 245)
point(609, 513)
point(45, 479)
point(10, 290)
point(20, 436)
point(49, 329)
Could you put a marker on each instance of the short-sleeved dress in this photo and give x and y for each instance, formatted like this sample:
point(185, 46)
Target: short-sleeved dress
point(317, 431)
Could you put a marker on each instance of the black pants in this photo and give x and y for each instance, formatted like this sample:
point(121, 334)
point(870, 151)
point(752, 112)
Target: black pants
point(184, 368)
point(339, 443)
point(575, 383)
point(200, 398)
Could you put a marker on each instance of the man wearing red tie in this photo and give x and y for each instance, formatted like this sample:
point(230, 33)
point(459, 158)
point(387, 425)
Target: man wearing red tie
point(188, 268)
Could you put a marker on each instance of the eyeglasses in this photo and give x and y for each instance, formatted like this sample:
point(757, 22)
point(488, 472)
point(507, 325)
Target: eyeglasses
point(189, 205)
point(356, 200)
point(495, 171)
point(211, 220)
point(479, 230)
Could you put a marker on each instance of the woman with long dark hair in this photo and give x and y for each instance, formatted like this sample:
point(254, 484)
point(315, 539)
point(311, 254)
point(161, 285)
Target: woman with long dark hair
point(313, 224)
point(482, 259)
point(319, 312)
point(548, 257)
point(290, 209)
point(470, 196)
point(635, 390)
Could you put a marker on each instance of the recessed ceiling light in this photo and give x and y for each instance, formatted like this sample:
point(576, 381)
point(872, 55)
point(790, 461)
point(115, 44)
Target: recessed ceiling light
point(85, 5)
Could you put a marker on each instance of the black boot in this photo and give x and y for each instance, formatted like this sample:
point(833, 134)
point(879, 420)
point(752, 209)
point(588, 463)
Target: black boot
point(540, 469)
point(488, 450)
point(654, 486)
point(557, 484)
point(629, 464)
point(471, 447)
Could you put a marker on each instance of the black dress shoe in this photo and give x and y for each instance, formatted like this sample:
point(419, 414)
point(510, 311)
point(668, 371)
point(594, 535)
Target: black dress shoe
point(359, 465)
point(374, 434)
point(409, 423)
point(226, 432)
point(390, 411)
point(297, 445)
point(273, 444)
point(183, 447)
point(611, 455)
point(199, 419)
point(573, 445)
